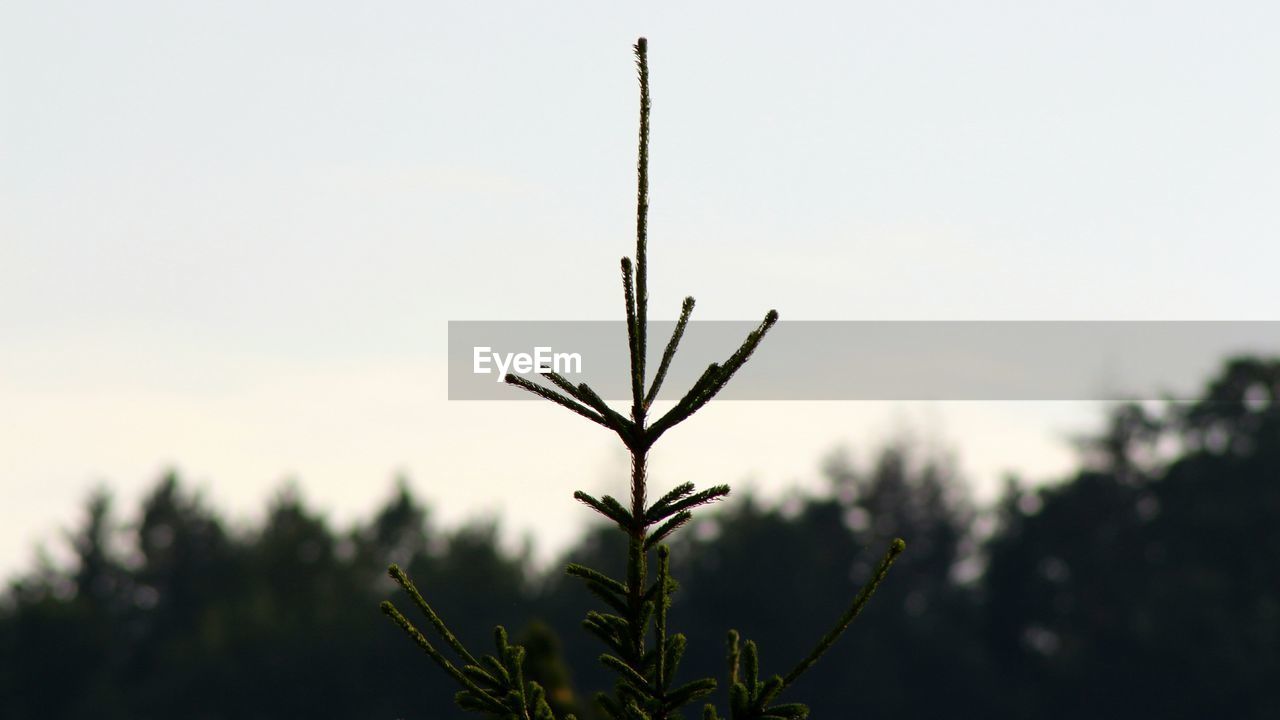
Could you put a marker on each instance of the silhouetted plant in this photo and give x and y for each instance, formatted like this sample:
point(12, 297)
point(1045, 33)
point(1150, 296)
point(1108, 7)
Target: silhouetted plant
point(646, 687)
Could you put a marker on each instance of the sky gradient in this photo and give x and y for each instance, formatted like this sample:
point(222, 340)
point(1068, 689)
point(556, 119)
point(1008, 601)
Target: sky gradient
point(231, 236)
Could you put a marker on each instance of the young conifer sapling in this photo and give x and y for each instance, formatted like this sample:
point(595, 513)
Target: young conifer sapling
point(640, 649)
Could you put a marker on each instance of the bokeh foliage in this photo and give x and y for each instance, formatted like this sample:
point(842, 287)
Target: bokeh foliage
point(1141, 585)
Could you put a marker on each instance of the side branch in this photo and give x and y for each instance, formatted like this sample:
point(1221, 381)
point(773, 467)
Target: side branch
point(488, 701)
point(412, 591)
point(670, 352)
point(869, 589)
point(556, 398)
point(712, 381)
point(585, 395)
point(634, 341)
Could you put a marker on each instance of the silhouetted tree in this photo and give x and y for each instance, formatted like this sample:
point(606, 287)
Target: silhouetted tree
point(1151, 591)
point(646, 684)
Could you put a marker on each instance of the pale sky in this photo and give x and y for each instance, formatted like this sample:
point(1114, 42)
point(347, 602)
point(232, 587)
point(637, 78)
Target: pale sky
point(231, 234)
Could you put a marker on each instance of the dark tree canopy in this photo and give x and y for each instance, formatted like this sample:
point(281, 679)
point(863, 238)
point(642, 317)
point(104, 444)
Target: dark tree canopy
point(1144, 585)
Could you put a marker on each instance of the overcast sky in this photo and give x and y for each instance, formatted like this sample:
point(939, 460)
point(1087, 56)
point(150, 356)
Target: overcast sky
point(231, 234)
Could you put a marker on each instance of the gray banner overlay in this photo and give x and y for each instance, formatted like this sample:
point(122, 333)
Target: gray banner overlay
point(870, 360)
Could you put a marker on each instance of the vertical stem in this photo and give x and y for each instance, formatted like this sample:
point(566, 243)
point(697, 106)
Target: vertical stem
point(636, 570)
point(635, 555)
point(639, 483)
point(642, 220)
point(660, 619)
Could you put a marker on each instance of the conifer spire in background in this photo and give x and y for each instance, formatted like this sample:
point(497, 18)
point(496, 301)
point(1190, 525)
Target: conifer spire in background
point(646, 666)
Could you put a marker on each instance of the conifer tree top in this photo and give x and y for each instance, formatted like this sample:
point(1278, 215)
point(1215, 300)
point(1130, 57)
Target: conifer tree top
point(646, 667)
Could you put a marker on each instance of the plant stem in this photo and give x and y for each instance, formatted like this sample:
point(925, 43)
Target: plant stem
point(636, 570)
point(642, 218)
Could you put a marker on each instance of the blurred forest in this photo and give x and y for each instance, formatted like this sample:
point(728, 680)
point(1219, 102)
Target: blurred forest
point(1147, 584)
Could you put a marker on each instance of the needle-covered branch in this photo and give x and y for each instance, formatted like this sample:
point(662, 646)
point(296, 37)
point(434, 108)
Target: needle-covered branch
point(749, 697)
point(494, 684)
point(610, 591)
point(585, 395)
point(663, 604)
point(642, 225)
point(668, 527)
point(634, 332)
point(607, 506)
point(682, 410)
point(412, 591)
point(555, 397)
point(489, 702)
point(859, 602)
point(669, 354)
point(665, 508)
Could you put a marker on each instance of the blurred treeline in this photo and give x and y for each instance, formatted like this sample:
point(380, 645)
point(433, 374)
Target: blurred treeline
point(1145, 585)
